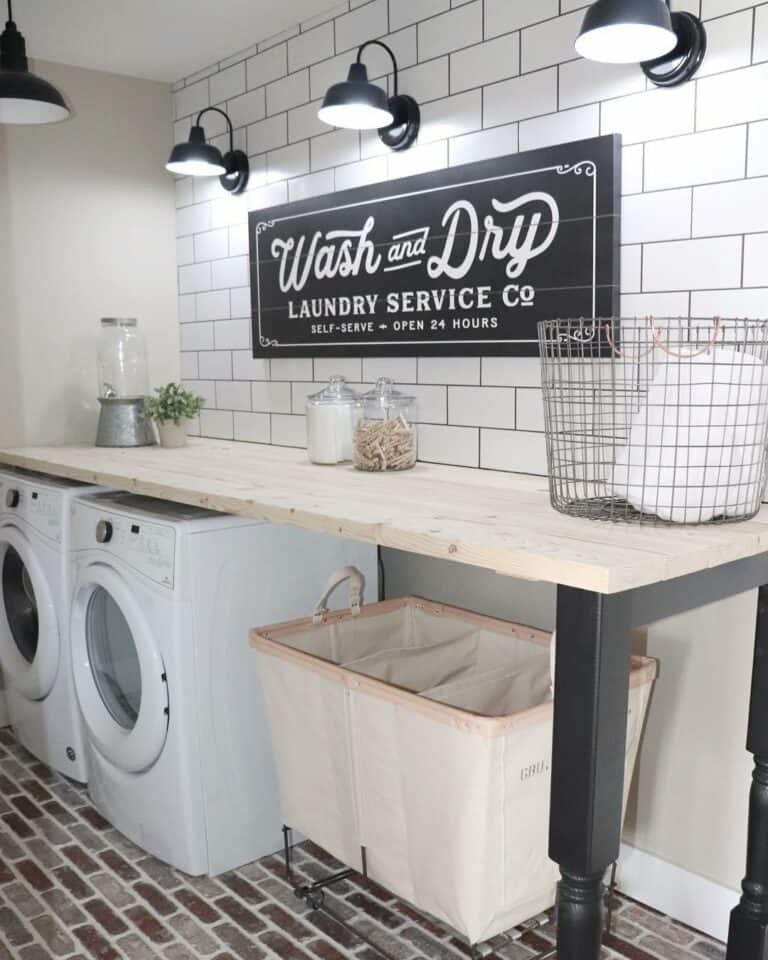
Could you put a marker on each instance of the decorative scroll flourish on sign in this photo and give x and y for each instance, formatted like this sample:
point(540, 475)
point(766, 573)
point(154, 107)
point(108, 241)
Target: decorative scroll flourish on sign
point(463, 261)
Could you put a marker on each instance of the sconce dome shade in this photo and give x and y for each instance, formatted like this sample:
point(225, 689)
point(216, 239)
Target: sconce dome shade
point(27, 98)
point(626, 31)
point(356, 104)
point(196, 158)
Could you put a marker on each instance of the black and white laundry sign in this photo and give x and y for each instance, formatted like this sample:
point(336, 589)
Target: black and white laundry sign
point(463, 261)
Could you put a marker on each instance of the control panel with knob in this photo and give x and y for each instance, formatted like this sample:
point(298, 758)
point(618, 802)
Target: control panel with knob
point(137, 541)
point(103, 531)
point(12, 498)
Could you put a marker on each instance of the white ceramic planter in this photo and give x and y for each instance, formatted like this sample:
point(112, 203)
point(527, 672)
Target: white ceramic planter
point(173, 434)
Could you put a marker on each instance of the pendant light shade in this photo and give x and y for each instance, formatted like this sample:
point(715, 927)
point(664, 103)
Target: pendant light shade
point(358, 104)
point(669, 46)
point(24, 97)
point(626, 31)
point(196, 158)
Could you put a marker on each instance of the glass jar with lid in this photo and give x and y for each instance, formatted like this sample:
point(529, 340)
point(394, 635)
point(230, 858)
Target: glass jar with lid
point(385, 434)
point(122, 360)
point(331, 417)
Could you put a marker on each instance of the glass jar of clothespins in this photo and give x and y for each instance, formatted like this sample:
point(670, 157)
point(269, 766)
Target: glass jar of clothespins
point(385, 434)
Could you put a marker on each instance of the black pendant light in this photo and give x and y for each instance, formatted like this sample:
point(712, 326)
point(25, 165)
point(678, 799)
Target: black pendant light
point(358, 104)
point(668, 46)
point(196, 158)
point(24, 97)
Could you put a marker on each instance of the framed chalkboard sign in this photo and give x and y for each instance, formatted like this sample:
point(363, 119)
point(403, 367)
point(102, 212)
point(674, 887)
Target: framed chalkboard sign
point(459, 262)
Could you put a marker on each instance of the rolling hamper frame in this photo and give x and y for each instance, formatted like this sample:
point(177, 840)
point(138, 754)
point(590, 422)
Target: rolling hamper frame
point(270, 642)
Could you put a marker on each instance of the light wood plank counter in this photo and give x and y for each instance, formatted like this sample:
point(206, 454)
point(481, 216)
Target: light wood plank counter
point(502, 522)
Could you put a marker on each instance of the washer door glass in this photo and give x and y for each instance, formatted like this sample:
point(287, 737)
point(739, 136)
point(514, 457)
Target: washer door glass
point(117, 667)
point(114, 659)
point(20, 604)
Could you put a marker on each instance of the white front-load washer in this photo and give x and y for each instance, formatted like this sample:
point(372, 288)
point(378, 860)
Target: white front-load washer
point(178, 746)
point(34, 617)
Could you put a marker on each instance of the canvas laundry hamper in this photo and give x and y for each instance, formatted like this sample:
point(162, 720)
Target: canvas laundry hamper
point(423, 733)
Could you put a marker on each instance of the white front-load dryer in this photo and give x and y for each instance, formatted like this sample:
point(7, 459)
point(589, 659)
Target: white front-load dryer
point(34, 618)
point(178, 747)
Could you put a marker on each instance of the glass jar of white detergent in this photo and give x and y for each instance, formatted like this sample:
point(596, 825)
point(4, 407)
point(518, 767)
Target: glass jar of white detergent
point(331, 418)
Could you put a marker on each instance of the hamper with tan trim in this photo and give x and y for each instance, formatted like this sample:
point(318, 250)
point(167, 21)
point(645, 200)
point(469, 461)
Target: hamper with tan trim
point(423, 733)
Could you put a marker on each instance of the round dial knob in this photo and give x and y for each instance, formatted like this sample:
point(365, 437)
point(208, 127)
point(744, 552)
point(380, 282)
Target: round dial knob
point(12, 498)
point(103, 531)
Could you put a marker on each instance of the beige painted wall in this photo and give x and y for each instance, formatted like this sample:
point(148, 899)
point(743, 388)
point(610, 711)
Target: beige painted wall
point(88, 230)
point(693, 770)
point(10, 422)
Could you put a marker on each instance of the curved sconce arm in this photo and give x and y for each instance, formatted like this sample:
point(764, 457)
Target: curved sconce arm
point(380, 43)
point(223, 114)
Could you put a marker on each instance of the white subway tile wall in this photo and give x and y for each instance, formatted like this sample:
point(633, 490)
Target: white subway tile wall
point(492, 77)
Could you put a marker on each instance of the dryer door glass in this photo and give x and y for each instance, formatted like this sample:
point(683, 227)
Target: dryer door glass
point(20, 604)
point(113, 658)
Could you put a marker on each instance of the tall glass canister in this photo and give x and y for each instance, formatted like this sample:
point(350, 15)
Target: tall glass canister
point(122, 360)
point(123, 384)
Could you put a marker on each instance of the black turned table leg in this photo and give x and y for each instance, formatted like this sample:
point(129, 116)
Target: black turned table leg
point(748, 935)
point(591, 699)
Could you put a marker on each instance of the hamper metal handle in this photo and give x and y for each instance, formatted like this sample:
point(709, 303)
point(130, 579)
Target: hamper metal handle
point(679, 355)
point(657, 342)
point(356, 588)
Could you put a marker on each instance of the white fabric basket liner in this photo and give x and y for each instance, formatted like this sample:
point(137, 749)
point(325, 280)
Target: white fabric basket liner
point(423, 733)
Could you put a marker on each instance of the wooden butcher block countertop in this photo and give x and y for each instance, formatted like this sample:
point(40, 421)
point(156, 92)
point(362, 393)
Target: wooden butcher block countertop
point(497, 521)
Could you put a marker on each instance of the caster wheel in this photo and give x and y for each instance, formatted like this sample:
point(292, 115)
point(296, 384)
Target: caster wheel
point(316, 900)
point(301, 892)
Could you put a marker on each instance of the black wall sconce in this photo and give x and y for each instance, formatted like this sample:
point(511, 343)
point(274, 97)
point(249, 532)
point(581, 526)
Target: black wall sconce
point(196, 158)
point(669, 46)
point(358, 104)
point(24, 97)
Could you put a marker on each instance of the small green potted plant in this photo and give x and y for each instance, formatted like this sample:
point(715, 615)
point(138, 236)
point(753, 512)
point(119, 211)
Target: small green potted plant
point(172, 409)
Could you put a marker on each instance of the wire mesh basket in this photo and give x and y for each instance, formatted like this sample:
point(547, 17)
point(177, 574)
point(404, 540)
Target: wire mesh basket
point(656, 421)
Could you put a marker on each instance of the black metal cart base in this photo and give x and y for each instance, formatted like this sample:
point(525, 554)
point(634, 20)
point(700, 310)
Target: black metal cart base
point(591, 683)
point(313, 894)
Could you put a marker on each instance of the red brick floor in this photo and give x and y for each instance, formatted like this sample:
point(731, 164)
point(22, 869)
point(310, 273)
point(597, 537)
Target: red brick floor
point(72, 888)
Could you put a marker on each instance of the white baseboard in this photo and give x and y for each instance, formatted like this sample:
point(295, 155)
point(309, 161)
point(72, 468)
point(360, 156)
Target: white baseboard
point(687, 897)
